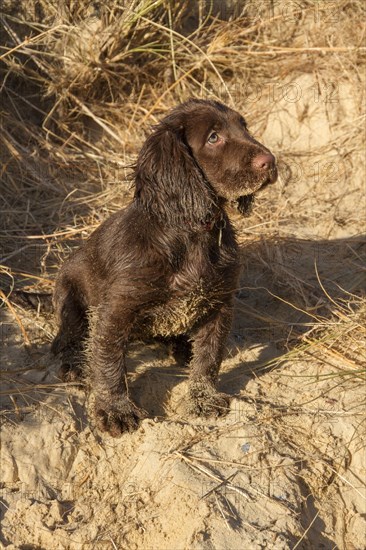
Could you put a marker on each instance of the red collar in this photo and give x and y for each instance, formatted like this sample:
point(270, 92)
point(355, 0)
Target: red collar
point(211, 220)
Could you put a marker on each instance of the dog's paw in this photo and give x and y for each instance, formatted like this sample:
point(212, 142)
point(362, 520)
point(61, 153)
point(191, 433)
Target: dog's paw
point(118, 417)
point(205, 400)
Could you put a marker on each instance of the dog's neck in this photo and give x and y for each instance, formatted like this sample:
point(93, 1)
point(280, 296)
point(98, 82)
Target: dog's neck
point(214, 217)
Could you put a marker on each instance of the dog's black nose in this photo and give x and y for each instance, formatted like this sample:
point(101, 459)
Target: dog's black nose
point(264, 162)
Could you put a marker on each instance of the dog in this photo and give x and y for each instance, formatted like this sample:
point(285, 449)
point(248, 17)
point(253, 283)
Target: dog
point(166, 266)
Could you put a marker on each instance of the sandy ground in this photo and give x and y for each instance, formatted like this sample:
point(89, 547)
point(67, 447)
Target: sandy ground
point(286, 467)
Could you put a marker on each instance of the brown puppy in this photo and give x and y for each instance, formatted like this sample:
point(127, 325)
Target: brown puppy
point(166, 266)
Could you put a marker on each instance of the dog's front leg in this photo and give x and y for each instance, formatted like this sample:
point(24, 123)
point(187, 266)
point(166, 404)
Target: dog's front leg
point(114, 412)
point(208, 346)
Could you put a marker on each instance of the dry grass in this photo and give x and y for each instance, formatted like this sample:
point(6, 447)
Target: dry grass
point(82, 82)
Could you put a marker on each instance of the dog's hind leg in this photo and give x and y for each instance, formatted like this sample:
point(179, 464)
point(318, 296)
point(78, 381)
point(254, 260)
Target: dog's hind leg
point(181, 349)
point(73, 326)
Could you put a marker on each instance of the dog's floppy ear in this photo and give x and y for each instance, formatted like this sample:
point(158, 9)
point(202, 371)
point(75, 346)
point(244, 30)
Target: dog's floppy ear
point(168, 181)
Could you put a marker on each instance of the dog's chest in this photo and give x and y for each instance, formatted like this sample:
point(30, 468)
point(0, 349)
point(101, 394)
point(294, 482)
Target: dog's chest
point(199, 286)
point(183, 310)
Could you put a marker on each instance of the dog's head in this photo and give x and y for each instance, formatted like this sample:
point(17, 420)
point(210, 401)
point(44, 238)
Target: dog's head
point(207, 142)
point(232, 160)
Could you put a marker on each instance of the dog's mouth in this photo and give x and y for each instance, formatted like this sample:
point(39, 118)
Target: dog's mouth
point(245, 203)
point(271, 178)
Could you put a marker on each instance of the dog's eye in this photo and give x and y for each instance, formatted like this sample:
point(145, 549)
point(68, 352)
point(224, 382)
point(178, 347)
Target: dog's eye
point(214, 137)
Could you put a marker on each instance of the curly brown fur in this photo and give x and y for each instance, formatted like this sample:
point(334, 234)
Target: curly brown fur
point(167, 265)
